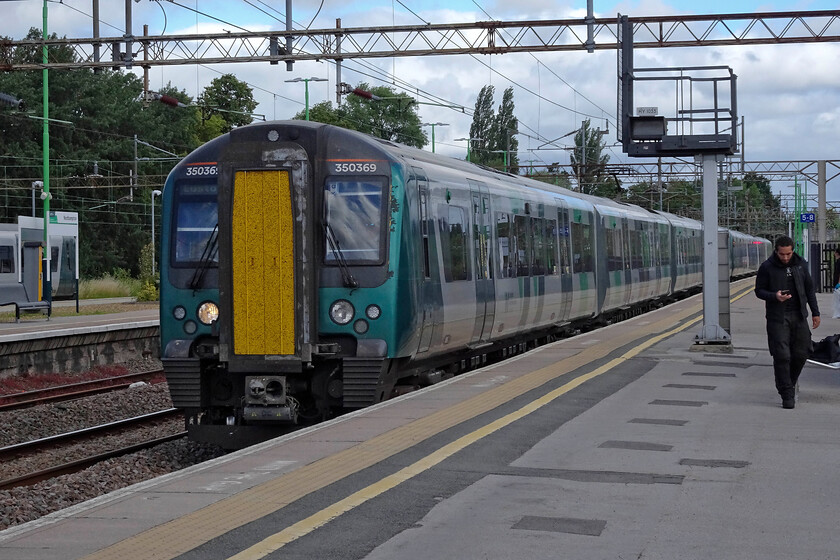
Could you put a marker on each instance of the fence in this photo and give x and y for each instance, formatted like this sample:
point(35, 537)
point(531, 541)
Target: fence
point(822, 265)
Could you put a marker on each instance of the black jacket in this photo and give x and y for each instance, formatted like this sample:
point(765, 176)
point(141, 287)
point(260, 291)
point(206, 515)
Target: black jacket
point(772, 277)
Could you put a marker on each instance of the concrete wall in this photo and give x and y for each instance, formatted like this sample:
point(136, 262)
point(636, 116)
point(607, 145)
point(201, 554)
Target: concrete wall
point(71, 351)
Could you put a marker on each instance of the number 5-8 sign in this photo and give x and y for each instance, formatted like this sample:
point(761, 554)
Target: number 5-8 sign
point(808, 217)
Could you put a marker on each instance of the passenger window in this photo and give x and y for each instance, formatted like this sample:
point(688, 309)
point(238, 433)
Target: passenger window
point(523, 245)
point(424, 232)
point(538, 256)
point(507, 247)
point(551, 247)
point(7, 263)
point(582, 241)
point(613, 243)
point(664, 246)
point(54, 259)
point(454, 244)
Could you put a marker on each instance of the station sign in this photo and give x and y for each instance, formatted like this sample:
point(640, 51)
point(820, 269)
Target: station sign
point(647, 111)
point(808, 217)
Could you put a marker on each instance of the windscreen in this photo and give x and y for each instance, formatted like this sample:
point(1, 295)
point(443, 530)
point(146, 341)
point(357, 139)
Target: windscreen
point(354, 215)
point(196, 216)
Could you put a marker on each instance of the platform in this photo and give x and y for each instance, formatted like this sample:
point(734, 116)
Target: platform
point(619, 443)
point(78, 342)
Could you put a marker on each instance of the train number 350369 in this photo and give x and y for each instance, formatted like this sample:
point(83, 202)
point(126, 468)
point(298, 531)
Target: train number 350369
point(355, 167)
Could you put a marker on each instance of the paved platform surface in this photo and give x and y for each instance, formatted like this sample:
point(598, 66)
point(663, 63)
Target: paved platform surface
point(624, 443)
point(77, 324)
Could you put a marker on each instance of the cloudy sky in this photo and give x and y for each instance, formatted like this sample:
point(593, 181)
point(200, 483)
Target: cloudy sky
point(789, 95)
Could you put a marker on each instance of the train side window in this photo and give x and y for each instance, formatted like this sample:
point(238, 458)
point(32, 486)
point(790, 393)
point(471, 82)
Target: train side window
point(664, 245)
point(582, 241)
point(551, 247)
point(481, 238)
point(613, 243)
point(7, 261)
point(523, 245)
point(538, 254)
point(563, 233)
point(454, 244)
point(424, 231)
point(507, 247)
point(54, 258)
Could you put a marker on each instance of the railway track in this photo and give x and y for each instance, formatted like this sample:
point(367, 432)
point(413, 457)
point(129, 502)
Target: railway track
point(28, 449)
point(73, 390)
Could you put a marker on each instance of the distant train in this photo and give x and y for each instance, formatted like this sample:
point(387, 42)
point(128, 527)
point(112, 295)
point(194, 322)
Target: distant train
point(21, 254)
point(307, 269)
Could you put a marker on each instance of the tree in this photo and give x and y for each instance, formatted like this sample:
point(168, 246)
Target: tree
point(503, 130)
point(393, 117)
point(481, 129)
point(588, 161)
point(553, 177)
point(494, 143)
point(323, 112)
point(92, 154)
point(230, 99)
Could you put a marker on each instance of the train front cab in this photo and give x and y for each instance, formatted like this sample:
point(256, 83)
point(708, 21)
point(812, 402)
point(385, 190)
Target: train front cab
point(307, 282)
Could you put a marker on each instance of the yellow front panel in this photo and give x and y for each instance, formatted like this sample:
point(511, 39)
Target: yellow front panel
point(263, 264)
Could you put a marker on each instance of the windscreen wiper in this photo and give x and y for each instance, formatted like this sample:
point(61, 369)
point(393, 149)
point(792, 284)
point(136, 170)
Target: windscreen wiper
point(335, 248)
point(208, 255)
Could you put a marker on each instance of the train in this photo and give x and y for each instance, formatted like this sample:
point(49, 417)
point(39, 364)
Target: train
point(21, 254)
point(307, 270)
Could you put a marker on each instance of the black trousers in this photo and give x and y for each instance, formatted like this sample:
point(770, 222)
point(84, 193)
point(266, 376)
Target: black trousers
point(790, 345)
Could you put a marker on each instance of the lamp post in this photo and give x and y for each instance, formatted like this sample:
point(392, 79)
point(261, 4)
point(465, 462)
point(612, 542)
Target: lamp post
point(469, 142)
point(154, 194)
point(433, 125)
point(45, 195)
point(306, 89)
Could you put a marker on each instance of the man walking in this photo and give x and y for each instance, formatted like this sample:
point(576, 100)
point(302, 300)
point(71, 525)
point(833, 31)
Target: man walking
point(784, 283)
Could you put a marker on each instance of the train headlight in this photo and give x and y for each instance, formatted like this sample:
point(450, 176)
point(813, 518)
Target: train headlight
point(208, 312)
point(179, 312)
point(342, 312)
point(373, 312)
point(360, 326)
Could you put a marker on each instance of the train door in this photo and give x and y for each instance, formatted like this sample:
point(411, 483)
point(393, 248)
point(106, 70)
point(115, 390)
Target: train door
point(429, 295)
point(32, 253)
point(564, 250)
point(485, 293)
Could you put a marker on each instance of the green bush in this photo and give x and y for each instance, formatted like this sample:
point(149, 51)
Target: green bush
point(147, 292)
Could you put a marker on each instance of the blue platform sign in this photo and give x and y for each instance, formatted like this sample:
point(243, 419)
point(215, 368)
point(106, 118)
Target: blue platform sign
point(808, 217)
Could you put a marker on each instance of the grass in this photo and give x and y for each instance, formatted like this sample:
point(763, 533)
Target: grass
point(108, 287)
point(92, 309)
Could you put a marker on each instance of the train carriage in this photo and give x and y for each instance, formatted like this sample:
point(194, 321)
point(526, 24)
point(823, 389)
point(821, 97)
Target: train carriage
point(307, 269)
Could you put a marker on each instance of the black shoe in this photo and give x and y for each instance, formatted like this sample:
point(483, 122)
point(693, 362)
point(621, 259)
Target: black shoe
point(788, 403)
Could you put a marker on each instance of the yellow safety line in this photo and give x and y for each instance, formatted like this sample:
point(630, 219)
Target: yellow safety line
point(306, 526)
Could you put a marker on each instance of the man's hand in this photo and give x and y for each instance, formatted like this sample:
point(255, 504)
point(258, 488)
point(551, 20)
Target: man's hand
point(816, 321)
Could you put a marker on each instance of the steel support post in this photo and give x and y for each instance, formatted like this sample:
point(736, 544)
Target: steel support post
point(712, 332)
